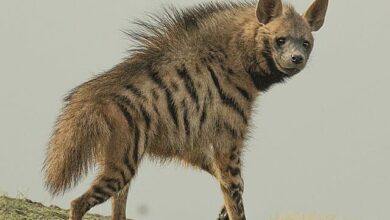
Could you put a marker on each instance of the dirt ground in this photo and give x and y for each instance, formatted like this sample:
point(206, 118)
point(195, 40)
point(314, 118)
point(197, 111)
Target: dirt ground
point(18, 209)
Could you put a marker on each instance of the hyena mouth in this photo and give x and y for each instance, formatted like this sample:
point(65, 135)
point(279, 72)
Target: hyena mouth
point(291, 71)
point(287, 71)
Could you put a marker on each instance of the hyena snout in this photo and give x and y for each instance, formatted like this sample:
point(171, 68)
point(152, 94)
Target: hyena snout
point(297, 59)
point(292, 62)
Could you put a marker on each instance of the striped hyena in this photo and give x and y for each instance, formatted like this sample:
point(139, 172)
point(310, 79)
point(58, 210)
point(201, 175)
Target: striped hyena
point(185, 93)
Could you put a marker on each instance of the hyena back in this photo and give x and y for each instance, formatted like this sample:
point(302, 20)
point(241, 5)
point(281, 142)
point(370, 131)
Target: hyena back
point(185, 93)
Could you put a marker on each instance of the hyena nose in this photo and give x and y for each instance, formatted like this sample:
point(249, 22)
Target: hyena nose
point(297, 59)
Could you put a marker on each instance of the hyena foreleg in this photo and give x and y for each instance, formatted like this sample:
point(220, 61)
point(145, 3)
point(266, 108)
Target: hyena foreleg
point(228, 172)
point(209, 167)
point(223, 215)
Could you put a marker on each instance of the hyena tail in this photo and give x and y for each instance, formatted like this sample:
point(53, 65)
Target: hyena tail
point(81, 130)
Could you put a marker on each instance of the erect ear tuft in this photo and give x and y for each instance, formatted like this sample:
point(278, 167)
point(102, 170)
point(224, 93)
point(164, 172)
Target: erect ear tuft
point(268, 10)
point(315, 15)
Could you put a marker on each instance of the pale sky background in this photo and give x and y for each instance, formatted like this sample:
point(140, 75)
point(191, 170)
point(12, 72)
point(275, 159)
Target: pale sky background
point(321, 142)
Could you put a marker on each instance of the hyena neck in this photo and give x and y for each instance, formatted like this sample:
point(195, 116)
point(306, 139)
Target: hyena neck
point(252, 43)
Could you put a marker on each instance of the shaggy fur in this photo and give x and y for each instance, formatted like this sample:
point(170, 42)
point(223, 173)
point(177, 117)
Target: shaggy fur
point(185, 93)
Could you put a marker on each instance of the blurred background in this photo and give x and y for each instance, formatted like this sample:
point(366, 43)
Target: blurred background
point(320, 143)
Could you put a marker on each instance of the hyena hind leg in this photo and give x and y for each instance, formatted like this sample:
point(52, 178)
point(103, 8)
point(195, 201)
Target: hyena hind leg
point(119, 201)
point(109, 183)
point(119, 167)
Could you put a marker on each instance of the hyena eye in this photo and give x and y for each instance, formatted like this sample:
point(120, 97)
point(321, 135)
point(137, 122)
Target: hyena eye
point(306, 44)
point(281, 41)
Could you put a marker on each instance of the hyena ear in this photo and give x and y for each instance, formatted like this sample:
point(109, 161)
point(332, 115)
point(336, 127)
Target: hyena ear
point(315, 15)
point(267, 10)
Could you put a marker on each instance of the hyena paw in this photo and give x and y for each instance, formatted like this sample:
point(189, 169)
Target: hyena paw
point(223, 215)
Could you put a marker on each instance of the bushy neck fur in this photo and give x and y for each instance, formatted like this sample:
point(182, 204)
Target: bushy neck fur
point(230, 28)
point(252, 42)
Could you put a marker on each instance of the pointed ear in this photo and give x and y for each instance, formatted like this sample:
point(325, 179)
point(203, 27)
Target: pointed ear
point(315, 15)
point(267, 10)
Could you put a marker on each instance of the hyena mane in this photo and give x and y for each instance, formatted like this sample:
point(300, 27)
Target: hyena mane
point(151, 37)
point(185, 93)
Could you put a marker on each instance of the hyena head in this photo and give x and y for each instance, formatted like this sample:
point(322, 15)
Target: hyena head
point(291, 40)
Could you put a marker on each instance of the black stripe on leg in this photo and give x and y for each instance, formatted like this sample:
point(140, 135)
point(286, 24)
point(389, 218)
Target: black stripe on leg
point(111, 187)
point(236, 195)
point(112, 184)
point(235, 187)
point(189, 84)
point(235, 171)
point(122, 180)
point(101, 191)
point(99, 194)
point(99, 199)
point(223, 215)
point(227, 100)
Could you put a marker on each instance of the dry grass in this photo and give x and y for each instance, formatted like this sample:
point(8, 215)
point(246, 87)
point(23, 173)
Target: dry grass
point(18, 209)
